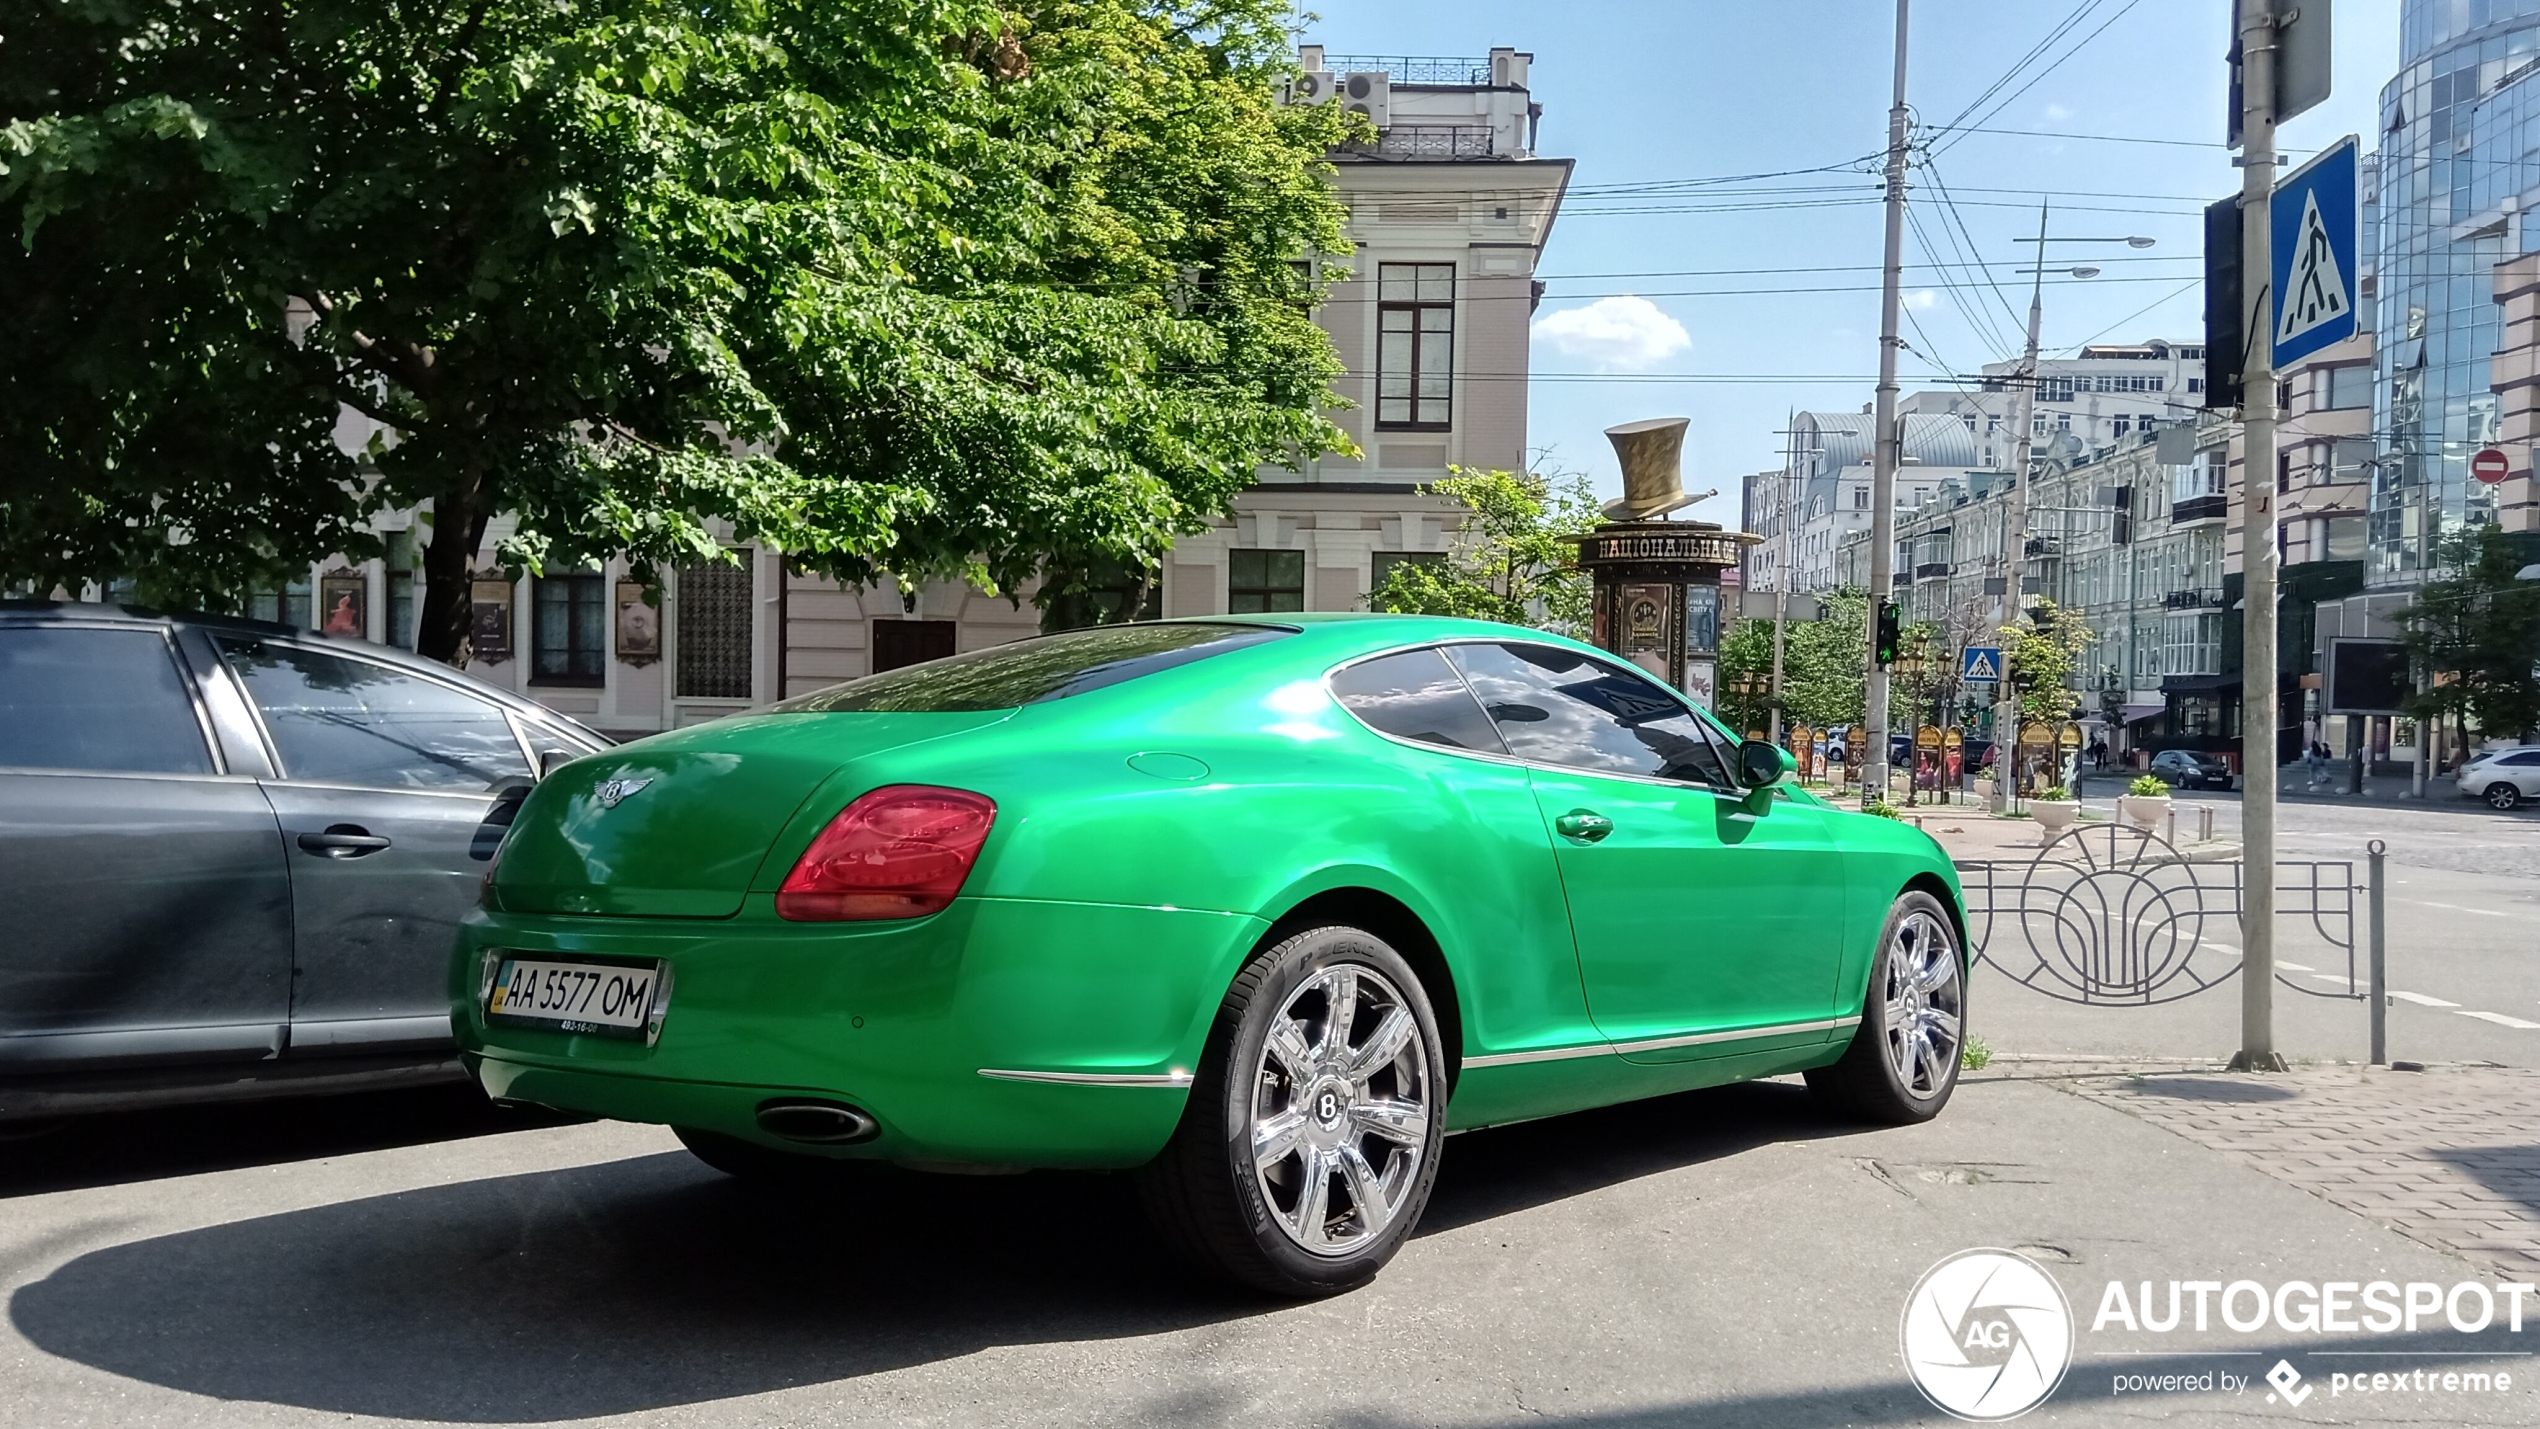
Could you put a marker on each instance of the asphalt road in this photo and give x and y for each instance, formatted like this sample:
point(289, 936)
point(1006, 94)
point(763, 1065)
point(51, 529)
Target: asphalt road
point(2463, 928)
point(1721, 1258)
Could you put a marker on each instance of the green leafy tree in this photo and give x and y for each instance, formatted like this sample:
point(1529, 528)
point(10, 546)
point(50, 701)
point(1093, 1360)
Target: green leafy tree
point(907, 288)
point(1508, 562)
point(2476, 631)
point(1822, 664)
point(2043, 654)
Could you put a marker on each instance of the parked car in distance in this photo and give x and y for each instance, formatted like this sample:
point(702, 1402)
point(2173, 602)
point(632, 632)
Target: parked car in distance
point(1260, 906)
point(2504, 778)
point(2191, 768)
point(234, 855)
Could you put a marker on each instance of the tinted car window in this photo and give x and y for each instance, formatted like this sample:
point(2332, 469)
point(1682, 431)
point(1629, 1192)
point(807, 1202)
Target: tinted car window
point(1415, 695)
point(1562, 707)
point(1028, 672)
point(341, 721)
point(96, 699)
point(2522, 761)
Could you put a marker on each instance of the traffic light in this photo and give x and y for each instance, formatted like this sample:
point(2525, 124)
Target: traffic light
point(1890, 619)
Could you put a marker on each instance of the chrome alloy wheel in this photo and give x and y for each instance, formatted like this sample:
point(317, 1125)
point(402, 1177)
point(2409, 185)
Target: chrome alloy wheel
point(1340, 1109)
point(1924, 1003)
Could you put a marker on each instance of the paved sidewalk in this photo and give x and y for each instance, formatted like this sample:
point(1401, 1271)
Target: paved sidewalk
point(2448, 1157)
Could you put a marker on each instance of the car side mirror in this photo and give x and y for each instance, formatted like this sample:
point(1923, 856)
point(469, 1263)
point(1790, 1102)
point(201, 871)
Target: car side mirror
point(1760, 766)
point(551, 760)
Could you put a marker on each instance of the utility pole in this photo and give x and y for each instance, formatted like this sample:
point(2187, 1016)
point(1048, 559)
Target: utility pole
point(2257, 543)
point(2006, 702)
point(1781, 577)
point(1884, 462)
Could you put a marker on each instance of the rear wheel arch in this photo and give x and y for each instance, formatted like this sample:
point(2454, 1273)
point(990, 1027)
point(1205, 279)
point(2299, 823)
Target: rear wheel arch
point(1394, 921)
point(1947, 898)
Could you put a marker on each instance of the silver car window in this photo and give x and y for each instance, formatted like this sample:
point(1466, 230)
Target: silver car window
point(96, 699)
point(342, 721)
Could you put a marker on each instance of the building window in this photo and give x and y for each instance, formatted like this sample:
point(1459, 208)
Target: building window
point(2346, 388)
point(401, 565)
point(714, 630)
point(1382, 567)
point(2055, 389)
point(910, 642)
point(1860, 498)
point(1259, 582)
point(568, 637)
point(1415, 345)
point(287, 606)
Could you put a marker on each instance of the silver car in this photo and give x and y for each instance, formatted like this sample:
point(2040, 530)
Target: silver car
point(2503, 777)
point(233, 855)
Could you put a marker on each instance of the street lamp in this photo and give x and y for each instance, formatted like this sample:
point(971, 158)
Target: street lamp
point(2006, 718)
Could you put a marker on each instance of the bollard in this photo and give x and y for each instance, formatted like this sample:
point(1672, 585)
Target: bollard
point(2173, 825)
point(2380, 968)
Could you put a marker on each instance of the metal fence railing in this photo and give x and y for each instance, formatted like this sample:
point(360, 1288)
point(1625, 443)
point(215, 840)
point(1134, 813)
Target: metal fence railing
point(2110, 915)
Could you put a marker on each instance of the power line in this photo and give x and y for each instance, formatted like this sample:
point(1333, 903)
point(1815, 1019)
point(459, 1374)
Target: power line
point(2082, 44)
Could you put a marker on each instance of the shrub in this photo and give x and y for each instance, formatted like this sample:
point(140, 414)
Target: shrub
point(1881, 809)
point(1975, 1056)
point(2056, 794)
point(2148, 786)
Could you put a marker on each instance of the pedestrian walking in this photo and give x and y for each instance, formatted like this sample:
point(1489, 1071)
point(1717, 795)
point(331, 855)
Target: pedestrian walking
point(2314, 763)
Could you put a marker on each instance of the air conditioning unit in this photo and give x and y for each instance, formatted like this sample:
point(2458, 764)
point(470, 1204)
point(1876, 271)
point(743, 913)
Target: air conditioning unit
point(1369, 92)
point(1314, 86)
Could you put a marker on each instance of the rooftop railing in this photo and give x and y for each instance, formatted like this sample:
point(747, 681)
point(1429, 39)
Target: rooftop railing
point(1416, 69)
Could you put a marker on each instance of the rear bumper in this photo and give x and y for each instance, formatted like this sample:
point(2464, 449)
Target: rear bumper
point(1102, 1008)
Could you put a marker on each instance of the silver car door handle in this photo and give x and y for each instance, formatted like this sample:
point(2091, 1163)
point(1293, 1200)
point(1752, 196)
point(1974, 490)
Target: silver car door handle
point(342, 841)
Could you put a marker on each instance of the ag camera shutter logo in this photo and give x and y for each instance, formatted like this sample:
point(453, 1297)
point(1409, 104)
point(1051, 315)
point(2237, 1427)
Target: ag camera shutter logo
point(1987, 1335)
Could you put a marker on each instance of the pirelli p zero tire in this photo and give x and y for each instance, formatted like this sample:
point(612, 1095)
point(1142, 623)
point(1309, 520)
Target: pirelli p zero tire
point(1903, 1061)
point(1311, 1139)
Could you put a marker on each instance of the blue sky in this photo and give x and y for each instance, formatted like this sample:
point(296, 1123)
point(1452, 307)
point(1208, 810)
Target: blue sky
point(1643, 93)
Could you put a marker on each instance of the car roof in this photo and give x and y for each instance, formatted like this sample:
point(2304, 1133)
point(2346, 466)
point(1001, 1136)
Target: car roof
point(37, 612)
point(1339, 633)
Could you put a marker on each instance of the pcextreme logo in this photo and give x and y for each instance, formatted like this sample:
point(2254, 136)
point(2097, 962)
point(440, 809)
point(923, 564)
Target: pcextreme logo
point(1987, 1335)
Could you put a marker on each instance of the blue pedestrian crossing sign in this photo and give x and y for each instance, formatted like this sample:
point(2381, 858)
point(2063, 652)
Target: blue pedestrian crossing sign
point(2312, 255)
point(1982, 663)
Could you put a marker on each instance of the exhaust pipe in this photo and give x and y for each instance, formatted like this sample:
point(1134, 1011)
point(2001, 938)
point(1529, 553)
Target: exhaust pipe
point(816, 1123)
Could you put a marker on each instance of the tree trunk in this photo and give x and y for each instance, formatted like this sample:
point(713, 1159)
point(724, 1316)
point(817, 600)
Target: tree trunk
point(442, 627)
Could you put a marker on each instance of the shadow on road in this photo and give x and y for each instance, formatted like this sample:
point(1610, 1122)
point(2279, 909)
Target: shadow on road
point(653, 1281)
point(2509, 1171)
point(107, 1150)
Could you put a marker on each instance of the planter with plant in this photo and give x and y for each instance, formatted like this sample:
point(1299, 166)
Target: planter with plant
point(2055, 808)
point(2146, 802)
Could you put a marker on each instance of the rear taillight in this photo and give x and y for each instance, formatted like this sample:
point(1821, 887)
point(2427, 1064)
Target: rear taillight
point(899, 852)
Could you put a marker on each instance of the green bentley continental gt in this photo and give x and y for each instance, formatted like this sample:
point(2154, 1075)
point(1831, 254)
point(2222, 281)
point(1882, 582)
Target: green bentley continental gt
point(1263, 907)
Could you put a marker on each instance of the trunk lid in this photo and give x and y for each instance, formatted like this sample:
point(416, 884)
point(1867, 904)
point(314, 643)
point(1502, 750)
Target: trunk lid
point(674, 826)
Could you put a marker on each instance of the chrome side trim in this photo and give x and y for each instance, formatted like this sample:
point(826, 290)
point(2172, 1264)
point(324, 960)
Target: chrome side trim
point(1540, 1054)
point(1616, 1049)
point(1092, 1079)
point(1742, 1034)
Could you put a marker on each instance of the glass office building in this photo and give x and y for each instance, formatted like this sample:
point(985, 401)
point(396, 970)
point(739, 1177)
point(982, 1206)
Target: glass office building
point(2460, 160)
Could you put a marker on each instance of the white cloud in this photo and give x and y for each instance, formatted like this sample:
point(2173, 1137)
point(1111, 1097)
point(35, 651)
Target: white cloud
point(1618, 334)
point(1922, 298)
point(2057, 114)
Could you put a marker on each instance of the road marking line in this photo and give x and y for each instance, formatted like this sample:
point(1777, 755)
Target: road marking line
point(2420, 999)
point(2498, 1018)
point(2456, 908)
point(2295, 967)
point(2329, 977)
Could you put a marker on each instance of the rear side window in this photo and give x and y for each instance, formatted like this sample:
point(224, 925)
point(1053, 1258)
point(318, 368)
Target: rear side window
point(339, 721)
point(1028, 672)
point(2525, 760)
point(109, 700)
point(1416, 695)
point(1557, 706)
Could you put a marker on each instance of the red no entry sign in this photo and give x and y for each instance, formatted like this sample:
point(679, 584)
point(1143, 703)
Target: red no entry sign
point(2489, 465)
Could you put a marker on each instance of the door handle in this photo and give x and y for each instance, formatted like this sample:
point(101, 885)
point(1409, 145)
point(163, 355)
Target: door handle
point(1585, 825)
point(343, 841)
